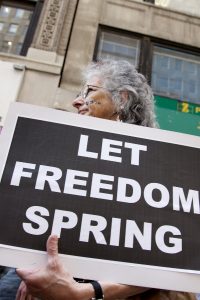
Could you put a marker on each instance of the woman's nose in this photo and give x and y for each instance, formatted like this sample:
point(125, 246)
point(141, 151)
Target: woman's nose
point(79, 101)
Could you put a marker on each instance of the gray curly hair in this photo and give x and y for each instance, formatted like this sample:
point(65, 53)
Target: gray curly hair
point(119, 76)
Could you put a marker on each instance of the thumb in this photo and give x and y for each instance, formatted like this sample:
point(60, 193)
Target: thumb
point(24, 273)
point(52, 246)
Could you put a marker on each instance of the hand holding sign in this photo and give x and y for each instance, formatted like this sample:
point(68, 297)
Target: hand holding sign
point(53, 281)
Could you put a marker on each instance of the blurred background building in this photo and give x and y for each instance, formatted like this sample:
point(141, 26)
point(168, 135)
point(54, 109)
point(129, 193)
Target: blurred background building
point(45, 44)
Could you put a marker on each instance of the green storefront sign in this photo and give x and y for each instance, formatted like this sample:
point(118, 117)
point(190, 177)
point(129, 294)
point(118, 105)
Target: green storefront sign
point(178, 115)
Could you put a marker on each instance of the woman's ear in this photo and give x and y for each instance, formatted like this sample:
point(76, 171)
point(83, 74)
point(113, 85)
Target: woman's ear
point(124, 97)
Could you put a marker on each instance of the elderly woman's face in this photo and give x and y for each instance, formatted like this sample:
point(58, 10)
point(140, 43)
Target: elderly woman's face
point(95, 101)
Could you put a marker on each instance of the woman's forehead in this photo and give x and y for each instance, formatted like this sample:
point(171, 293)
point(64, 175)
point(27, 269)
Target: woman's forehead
point(95, 80)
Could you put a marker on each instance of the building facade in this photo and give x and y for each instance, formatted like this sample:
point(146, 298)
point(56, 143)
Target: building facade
point(45, 45)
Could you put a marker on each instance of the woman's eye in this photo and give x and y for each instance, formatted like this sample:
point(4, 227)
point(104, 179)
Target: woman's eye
point(90, 90)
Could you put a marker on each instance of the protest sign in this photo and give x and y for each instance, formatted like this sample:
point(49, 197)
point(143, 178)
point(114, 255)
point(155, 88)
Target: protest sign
point(123, 199)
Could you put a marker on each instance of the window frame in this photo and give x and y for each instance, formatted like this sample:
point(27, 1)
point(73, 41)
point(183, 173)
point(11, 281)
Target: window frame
point(144, 60)
point(36, 8)
point(112, 30)
point(147, 44)
point(179, 48)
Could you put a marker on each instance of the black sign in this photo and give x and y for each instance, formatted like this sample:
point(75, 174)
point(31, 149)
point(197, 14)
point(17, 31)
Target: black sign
point(108, 196)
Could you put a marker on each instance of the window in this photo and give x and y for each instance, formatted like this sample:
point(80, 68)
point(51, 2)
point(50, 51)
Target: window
point(19, 13)
point(176, 74)
point(19, 19)
point(13, 28)
point(6, 46)
point(4, 11)
point(24, 31)
point(110, 45)
point(18, 48)
point(1, 26)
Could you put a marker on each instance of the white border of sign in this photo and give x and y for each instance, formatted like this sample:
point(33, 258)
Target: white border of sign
point(81, 267)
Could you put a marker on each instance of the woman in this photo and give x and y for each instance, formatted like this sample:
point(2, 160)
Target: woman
point(117, 92)
point(113, 90)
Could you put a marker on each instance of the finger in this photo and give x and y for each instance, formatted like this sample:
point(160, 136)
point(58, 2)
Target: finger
point(52, 246)
point(18, 294)
point(21, 292)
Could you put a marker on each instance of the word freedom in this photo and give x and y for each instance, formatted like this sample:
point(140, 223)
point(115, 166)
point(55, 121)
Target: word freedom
point(101, 187)
point(99, 182)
